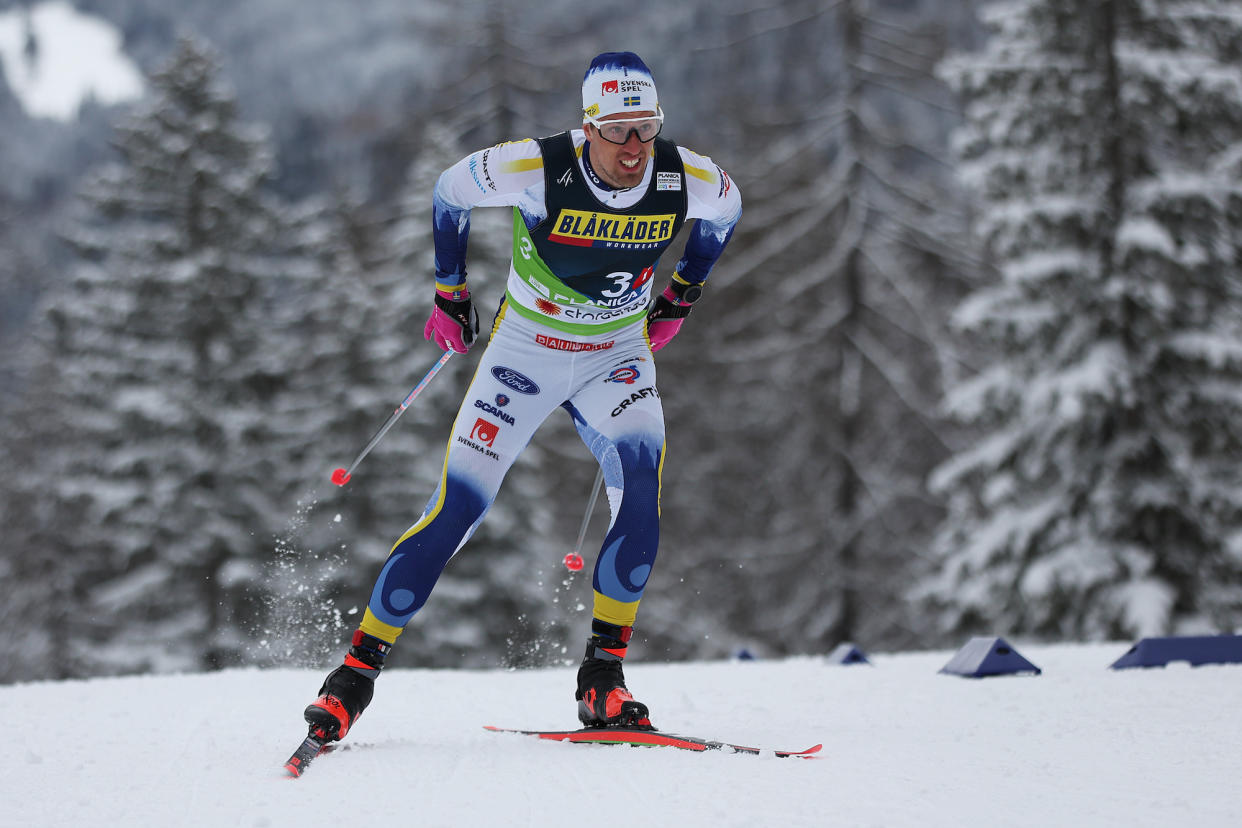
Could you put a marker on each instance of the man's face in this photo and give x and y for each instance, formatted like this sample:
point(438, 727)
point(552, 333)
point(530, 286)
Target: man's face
point(621, 165)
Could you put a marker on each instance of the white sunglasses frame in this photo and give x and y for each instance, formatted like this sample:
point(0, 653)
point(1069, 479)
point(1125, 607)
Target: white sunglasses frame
point(659, 116)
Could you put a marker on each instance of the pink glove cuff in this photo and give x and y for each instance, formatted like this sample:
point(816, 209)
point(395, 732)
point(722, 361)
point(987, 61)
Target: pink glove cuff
point(662, 331)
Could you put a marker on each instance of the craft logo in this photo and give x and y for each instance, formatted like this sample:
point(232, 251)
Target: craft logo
point(609, 86)
point(487, 176)
point(582, 228)
point(494, 411)
point(515, 381)
point(631, 100)
point(640, 394)
point(484, 431)
point(668, 181)
point(573, 347)
point(626, 375)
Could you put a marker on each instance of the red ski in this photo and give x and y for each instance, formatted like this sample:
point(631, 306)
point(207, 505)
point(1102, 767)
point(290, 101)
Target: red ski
point(646, 737)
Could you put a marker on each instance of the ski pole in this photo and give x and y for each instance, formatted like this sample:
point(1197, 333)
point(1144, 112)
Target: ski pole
point(573, 561)
point(341, 476)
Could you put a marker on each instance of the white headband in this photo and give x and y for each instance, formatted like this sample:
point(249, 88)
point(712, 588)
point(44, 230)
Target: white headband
point(618, 82)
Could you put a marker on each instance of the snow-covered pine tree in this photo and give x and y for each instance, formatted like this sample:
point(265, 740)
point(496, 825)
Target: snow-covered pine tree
point(19, 279)
point(333, 394)
point(516, 62)
point(805, 421)
point(45, 550)
point(1104, 496)
point(504, 75)
point(163, 341)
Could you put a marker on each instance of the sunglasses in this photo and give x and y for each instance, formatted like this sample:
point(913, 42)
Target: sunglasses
point(618, 131)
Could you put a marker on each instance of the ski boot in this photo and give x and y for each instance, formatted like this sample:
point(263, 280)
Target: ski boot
point(348, 689)
point(603, 700)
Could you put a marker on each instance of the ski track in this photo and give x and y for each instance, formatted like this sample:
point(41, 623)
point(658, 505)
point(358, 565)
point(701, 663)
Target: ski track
point(903, 746)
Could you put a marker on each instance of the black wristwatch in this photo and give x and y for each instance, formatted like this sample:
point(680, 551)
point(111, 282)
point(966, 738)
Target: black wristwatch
point(688, 294)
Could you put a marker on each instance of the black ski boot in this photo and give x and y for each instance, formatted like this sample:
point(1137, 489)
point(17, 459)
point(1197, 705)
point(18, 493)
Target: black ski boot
point(603, 699)
point(348, 689)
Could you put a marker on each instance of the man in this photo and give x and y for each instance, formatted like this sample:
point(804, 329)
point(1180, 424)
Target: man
point(593, 210)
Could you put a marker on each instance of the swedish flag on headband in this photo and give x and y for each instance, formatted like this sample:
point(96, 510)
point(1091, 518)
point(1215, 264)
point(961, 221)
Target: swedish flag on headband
point(632, 100)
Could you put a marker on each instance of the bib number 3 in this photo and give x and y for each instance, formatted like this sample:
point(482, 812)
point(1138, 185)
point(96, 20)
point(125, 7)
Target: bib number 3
point(626, 282)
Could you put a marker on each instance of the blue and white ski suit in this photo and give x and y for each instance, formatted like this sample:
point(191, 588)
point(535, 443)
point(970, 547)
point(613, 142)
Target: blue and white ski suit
point(570, 333)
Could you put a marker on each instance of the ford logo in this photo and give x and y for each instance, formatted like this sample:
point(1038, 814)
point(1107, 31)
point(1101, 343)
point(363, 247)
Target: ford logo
point(512, 379)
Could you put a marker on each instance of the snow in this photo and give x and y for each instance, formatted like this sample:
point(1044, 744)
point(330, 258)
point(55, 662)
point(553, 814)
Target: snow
point(1040, 266)
point(1217, 351)
point(903, 746)
point(77, 57)
point(1059, 390)
point(1145, 233)
point(1148, 603)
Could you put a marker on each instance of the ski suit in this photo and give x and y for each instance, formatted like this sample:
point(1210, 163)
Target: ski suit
point(569, 333)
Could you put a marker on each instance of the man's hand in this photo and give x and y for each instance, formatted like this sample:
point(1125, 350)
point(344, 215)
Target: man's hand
point(454, 324)
point(665, 317)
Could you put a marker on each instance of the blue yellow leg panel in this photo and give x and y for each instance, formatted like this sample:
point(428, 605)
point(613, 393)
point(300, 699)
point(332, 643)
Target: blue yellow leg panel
point(630, 547)
point(418, 558)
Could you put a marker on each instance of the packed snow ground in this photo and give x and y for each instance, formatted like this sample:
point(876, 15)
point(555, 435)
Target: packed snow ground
point(903, 746)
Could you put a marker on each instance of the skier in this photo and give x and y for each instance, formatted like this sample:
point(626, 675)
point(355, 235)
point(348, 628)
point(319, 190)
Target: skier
point(594, 210)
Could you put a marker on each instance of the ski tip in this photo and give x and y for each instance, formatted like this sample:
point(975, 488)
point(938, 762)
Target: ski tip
point(809, 753)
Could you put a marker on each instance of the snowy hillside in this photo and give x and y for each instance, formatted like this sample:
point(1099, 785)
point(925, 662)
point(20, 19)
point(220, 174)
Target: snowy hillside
point(903, 746)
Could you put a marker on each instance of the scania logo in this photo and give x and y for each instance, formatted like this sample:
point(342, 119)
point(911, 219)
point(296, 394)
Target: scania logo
point(494, 411)
point(514, 380)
